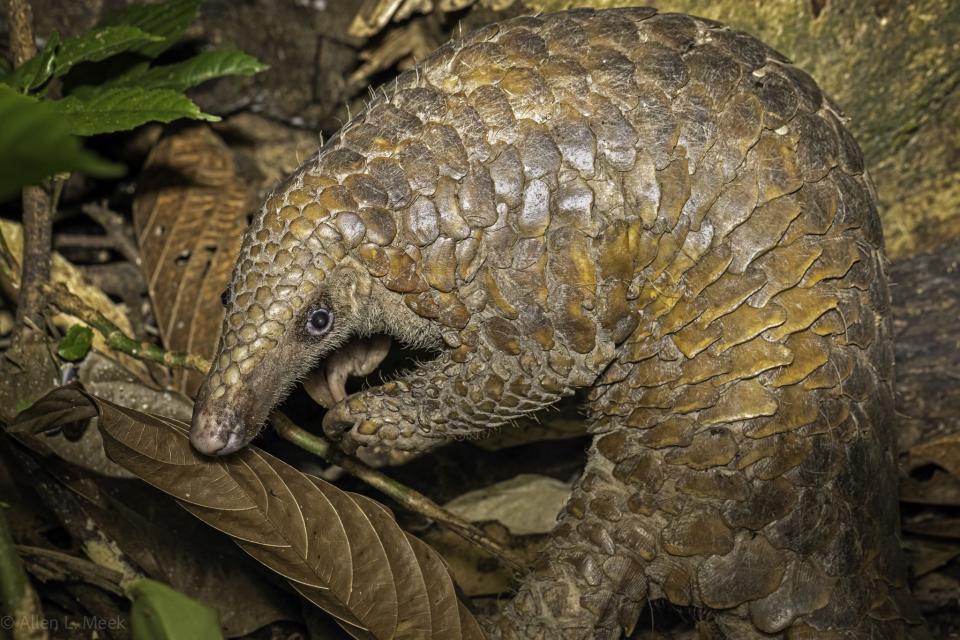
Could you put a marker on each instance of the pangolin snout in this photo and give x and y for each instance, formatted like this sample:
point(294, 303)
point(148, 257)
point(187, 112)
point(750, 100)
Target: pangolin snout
point(220, 427)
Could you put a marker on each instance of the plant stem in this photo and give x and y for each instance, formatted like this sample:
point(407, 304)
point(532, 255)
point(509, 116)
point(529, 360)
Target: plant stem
point(37, 235)
point(409, 498)
point(20, 19)
point(115, 338)
point(117, 231)
point(49, 564)
point(59, 180)
point(37, 225)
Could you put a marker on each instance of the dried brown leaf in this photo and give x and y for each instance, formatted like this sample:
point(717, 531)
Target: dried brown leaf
point(106, 379)
point(943, 451)
point(477, 572)
point(343, 552)
point(525, 504)
point(924, 556)
point(83, 446)
point(940, 489)
point(265, 150)
point(375, 15)
point(189, 214)
point(936, 526)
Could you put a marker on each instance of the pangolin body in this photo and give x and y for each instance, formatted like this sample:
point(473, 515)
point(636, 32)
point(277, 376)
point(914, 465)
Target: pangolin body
point(652, 208)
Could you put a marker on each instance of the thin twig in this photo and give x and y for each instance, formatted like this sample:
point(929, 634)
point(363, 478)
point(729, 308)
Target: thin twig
point(48, 564)
point(59, 181)
point(409, 498)
point(116, 228)
point(83, 241)
point(125, 281)
point(62, 299)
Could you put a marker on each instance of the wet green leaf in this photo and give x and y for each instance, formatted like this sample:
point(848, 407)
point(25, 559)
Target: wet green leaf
point(99, 44)
point(38, 69)
point(76, 344)
point(124, 108)
point(160, 612)
point(35, 143)
point(168, 20)
point(200, 68)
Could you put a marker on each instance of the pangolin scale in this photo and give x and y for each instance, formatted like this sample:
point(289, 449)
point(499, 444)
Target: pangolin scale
point(654, 209)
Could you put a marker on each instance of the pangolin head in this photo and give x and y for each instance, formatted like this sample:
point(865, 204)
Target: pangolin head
point(295, 294)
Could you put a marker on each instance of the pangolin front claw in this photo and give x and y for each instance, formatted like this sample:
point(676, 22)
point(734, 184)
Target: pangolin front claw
point(375, 430)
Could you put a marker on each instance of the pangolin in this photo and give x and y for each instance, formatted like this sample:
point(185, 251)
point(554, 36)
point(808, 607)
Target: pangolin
point(654, 211)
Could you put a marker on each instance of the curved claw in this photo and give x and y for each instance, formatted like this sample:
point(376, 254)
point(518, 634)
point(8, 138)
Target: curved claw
point(365, 426)
point(326, 385)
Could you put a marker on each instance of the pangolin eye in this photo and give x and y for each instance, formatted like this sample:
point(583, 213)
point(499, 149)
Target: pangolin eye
point(226, 296)
point(319, 322)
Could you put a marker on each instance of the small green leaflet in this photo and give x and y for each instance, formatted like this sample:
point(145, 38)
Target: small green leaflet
point(123, 108)
point(35, 143)
point(99, 44)
point(38, 69)
point(189, 73)
point(166, 19)
point(76, 344)
point(162, 613)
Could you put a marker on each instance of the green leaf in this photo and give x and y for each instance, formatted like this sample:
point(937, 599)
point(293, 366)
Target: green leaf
point(76, 344)
point(22, 405)
point(123, 108)
point(114, 71)
point(167, 19)
point(38, 69)
point(162, 613)
point(125, 77)
point(99, 44)
point(200, 68)
point(35, 142)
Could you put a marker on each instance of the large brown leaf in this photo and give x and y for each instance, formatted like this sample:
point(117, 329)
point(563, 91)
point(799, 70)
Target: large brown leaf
point(342, 551)
point(190, 215)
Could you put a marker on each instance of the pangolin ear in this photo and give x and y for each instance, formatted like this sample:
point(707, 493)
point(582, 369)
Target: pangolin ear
point(361, 282)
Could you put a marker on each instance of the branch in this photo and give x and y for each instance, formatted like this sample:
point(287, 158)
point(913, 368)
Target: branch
point(84, 241)
point(116, 339)
point(116, 229)
point(20, 17)
point(48, 564)
point(37, 225)
point(36, 255)
point(409, 498)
